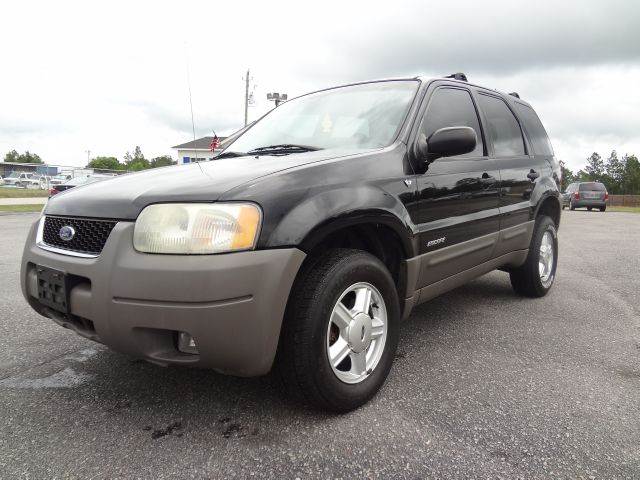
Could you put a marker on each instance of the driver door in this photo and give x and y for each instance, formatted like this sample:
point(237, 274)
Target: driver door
point(458, 197)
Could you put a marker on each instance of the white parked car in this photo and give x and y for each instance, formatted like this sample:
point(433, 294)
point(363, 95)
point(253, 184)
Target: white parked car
point(22, 179)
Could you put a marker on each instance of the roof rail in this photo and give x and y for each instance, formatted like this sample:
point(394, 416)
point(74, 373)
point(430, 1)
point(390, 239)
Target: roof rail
point(515, 94)
point(458, 76)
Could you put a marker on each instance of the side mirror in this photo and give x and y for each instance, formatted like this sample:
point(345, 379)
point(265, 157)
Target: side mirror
point(447, 142)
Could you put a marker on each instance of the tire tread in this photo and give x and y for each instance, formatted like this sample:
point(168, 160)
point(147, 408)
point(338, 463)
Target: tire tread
point(296, 339)
point(524, 279)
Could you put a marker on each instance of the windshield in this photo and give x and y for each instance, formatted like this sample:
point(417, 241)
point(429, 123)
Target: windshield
point(78, 181)
point(359, 116)
point(14, 175)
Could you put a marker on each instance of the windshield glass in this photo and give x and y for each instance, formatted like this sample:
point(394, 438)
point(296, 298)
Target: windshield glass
point(77, 181)
point(359, 116)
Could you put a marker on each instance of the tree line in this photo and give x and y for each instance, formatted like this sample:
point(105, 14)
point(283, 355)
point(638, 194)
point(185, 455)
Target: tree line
point(619, 175)
point(132, 162)
point(26, 157)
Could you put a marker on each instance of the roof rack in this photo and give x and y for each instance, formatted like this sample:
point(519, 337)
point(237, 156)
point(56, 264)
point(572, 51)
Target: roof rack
point(515, 94)
point(458, 76)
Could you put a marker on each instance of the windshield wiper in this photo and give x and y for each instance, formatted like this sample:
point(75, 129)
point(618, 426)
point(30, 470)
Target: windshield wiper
point(283, 149)
point(229, 155)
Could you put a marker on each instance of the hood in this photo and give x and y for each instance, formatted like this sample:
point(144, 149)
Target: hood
point(125, 196)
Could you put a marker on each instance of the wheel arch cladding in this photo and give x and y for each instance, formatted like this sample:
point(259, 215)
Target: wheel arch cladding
point(551, 207)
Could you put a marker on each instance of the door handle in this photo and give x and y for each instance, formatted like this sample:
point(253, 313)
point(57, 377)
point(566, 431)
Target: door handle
point(487, 179)
point(532, 175)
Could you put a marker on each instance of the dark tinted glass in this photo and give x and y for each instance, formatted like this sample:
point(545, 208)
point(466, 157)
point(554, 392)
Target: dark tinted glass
point(450, 107)
point(503, 127)
point(592, 186)
point(535, 131)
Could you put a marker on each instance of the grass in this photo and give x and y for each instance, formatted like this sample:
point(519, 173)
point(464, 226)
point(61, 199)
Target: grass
point(12, 192)
point(21, 208)
point(624, 209)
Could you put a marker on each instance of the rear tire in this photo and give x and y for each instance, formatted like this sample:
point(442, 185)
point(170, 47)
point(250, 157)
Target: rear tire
point(571, 207)
point(589, 208)
point(310, 333)
point(535, 277)
point(602, 209)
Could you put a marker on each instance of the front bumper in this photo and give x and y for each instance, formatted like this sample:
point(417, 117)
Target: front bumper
point(231, 304)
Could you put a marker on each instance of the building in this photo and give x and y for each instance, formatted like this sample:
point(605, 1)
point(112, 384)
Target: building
point(198, 150)
point(201, 148)
point(6, 168)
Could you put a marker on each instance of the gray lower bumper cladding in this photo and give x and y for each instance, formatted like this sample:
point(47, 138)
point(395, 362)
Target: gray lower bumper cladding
point(232, 305)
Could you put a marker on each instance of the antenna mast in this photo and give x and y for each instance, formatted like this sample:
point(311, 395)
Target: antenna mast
point(193, 124)
point(246, 98)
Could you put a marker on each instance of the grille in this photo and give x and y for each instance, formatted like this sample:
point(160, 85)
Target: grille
point(90, 234)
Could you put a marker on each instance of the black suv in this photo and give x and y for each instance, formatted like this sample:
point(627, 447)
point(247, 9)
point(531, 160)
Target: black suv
point(311, 236)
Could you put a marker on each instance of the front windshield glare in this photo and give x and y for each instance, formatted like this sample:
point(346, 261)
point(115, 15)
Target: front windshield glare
point(359, 116)
point(77, 181)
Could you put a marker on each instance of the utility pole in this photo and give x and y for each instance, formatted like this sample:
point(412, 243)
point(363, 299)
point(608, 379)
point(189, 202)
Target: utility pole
point(88, 155)
point(246, 99)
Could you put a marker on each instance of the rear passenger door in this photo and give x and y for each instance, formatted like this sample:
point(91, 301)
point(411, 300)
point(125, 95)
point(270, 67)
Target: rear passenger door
point(519, 171)
point(457, 212)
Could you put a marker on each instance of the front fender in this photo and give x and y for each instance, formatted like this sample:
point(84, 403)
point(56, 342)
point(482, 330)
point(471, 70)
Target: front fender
point(315, 217)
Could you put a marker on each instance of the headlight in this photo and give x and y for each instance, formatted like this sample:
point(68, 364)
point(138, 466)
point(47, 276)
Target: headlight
point(197, 228)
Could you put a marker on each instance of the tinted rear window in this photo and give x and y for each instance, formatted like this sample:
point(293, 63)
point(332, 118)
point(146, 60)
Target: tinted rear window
point(535, 131)
point(593, 186)
point(504, 129)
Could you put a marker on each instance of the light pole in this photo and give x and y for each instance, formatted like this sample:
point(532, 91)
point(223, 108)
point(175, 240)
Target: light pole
point(88, 155)
point(278, 98)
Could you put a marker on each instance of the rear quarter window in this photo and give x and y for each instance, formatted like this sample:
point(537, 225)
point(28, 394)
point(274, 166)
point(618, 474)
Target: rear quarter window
point(534, 129)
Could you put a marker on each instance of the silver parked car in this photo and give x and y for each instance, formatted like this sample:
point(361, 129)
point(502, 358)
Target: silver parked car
point(587, 195)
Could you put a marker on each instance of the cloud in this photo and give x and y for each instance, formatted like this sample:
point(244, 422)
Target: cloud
point(107, 77)
point(482, 37)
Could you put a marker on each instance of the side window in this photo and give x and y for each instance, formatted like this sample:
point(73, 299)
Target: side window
point(535, 131)
point(452, 107)
point(503, 127)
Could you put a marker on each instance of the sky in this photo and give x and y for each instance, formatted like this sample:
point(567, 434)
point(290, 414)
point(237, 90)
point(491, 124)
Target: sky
point(105, 77)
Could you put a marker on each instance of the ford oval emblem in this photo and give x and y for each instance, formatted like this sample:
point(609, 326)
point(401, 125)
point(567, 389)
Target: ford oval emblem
point(67, 233)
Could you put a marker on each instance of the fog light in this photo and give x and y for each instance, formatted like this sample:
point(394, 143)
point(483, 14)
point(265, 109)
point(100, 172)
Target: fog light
point(186, 343)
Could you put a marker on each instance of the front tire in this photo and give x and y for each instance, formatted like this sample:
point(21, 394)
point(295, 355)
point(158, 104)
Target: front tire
point(571, 207)
point(535, 277)
point(341, 330)
point(602, 209)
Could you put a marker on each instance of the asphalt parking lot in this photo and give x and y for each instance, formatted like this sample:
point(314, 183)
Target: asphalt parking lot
point(486, 384)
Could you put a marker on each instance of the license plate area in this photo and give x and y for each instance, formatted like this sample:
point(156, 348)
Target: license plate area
point(53, 288)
